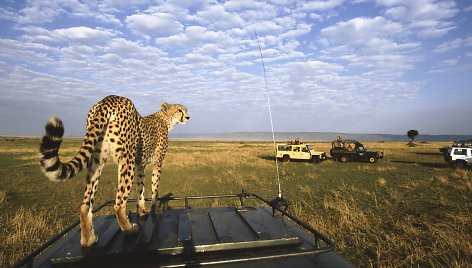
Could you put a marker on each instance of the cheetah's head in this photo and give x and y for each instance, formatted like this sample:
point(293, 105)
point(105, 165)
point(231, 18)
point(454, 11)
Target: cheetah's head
point(177, 113)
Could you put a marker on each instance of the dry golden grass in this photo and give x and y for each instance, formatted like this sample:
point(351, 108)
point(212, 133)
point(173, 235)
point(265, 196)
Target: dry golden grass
point(17, 150)
point(463, 179)
point(26, 229)
point(3, 197)
point(376, 168)
point(381, 182)
point(409, 209)
point(230, 159)
point(34, 151)
point(441, 179)
point(462, 174)
point(412, 240)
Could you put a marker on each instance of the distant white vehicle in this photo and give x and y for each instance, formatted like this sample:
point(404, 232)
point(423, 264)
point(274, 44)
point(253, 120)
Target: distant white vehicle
point(459, 156)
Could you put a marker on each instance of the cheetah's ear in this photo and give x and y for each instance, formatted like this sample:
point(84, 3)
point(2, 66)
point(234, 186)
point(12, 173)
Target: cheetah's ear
point(164, 105)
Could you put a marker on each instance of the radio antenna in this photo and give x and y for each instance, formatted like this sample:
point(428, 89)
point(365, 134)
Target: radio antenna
point(270, 115)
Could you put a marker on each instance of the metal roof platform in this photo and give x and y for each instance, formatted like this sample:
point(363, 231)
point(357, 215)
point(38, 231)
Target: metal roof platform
point(238, 236)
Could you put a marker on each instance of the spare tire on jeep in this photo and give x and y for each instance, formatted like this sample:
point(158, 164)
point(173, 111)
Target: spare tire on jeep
point(372, 159)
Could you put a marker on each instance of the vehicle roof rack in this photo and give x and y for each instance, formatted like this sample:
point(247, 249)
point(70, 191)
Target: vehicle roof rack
point(295, 142)
point(463, 144)
point(243, 235)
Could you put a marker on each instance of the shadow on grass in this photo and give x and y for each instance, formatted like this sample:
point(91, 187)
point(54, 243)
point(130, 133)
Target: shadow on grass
point(272, 158)
point(432, 165)
point(268, 157)
point(426, 153)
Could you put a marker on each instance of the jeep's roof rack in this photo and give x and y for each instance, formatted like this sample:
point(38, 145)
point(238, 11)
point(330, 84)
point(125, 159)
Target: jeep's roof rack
point(243, 236)
point(347, 141)
point(295, 142)
point(463, 144)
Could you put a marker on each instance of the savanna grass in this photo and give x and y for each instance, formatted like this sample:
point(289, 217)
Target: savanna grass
point(409, 209)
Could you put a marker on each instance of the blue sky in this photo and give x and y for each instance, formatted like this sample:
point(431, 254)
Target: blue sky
point(365, 66)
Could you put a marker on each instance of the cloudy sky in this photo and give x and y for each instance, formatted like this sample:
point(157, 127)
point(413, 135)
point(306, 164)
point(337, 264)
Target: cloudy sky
point(362, 66)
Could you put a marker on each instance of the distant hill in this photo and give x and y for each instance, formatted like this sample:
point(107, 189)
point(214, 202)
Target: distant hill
point(311, 136)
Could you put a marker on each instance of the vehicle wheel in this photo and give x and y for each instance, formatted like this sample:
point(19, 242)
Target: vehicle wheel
point(286, 158)
point(315, 159)
point(460, 164)
point(343, 159)
point(372, 159)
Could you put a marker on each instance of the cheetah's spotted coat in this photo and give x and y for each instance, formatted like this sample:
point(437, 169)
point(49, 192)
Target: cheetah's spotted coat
point(114, 128)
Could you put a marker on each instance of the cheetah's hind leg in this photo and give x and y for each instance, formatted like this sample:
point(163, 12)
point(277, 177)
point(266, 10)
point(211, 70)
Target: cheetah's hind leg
point(87, 234)
point(126, 175)
point(141, 207)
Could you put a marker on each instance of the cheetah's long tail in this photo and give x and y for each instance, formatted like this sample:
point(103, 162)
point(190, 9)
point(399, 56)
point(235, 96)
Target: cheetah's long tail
point(51, 165)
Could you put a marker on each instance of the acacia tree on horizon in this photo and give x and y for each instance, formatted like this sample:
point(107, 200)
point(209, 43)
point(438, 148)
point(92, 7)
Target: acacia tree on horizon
point(412, 133)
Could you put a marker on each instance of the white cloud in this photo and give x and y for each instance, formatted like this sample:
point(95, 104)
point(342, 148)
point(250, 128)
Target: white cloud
point(252, 10)
point(444, 66)
point(327, 85)
point(194, 52)
point(448, 46)
point(315, 16)
point(107, 18)
point(26, 84)
point(310, 68)
point(151, 25)
point(321, 5)
point(7, 14)
point(453, 45)
point(81, 34)
point(449, 62)
point(25, 53)
point(361, 30)
point(118, 5)
point(266, 27)
point(300, 29)
point(84, 35)
point(199, 58)
point(286, 22)
point(468, 41)
point(39, 12)
point(208, 49)
point(129, 49)
point(283, 2)
point(196, 35)
point(202, 34)
point(289, 34)
point(374, 47)
point(238, 5)
point(427, 18)
point(44, 11)
point(216, 17)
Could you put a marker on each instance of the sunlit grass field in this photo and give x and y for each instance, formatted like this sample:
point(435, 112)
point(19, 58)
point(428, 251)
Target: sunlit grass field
point(409, 209)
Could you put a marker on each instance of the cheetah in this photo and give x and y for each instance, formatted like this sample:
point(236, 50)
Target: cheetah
point(114, 128)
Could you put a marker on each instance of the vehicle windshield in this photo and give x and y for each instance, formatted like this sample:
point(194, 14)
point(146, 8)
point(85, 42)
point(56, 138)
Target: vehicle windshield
point(360, 148)
point(309, 147)
point(460, 151)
